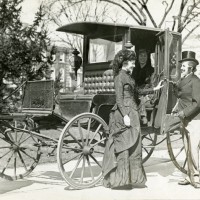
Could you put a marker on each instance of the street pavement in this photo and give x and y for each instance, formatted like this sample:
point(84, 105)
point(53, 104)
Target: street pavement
point(46, 183)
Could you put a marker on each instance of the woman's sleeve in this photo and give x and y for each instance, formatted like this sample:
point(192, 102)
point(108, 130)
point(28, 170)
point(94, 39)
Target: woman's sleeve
point(119, 95)
point(145, 91)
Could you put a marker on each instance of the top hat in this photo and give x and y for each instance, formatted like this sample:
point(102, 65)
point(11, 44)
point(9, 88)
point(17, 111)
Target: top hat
point(188, 56)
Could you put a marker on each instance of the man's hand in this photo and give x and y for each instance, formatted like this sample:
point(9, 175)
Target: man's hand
point(127, 120)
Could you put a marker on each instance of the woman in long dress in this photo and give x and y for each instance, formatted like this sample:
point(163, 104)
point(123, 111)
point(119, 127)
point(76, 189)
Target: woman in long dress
point(122, 163)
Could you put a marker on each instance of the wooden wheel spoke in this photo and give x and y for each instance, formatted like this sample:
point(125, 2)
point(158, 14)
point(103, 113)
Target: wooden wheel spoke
point(179, 152)
point(75, 139)
point(83, 169)
point(22, 161)
point(10, 137)
point(6, 140)
point(6, 153)
point(25, 139)
point(146, 150)
point(77, 155)
point(95, 160)
point(88, 131)
point(5, 147)
point(90, 167)
point(81, 132)
point(95, 133)
point(98, 142)
point(15, 165)
point(21, 137)
point(8, 161)
point(28, 155)
point(77, 164)
point(101, 152)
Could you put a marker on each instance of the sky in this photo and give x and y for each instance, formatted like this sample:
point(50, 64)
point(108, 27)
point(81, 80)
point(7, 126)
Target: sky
point(29, 8)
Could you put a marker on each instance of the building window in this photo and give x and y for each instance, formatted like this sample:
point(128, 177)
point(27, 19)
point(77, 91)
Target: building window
point(62, 57)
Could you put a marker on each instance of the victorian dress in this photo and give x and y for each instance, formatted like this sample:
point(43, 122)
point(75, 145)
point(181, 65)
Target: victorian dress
point(122, 162)
point(187, 91)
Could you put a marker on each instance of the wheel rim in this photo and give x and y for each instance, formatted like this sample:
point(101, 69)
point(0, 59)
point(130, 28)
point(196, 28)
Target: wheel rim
point(148, 145)
point(18, 153)
point(80, 150)
point(176, 150)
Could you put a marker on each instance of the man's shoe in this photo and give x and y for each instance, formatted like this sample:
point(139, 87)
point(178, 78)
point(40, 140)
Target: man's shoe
point(184, 182)
point(196, 185)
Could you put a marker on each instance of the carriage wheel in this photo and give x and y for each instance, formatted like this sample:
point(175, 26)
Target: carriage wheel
point(17, 157)
point(148, 144)
point(176, 150)
point(80, 150)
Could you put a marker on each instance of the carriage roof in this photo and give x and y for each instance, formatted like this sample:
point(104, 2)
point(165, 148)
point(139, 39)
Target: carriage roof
point(97, 29)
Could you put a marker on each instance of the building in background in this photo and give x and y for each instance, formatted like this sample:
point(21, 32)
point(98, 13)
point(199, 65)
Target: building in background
point(64, 67)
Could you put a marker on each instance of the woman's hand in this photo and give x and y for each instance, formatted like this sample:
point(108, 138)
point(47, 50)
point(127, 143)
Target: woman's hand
point(127, 120)
point(160, 85)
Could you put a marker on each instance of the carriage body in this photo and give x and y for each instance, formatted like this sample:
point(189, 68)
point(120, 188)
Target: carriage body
point(101, 42)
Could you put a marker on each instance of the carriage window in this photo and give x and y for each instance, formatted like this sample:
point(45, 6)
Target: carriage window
point(101, 50)
point(174, 57)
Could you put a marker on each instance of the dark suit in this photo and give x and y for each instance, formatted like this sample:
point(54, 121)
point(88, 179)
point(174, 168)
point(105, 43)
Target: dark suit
point(188, 93)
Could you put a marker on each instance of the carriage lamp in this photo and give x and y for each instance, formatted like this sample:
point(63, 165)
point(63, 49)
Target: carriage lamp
point(77, 61)
point(128, 44)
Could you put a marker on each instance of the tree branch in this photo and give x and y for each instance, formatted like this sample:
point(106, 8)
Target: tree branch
point(198, 25)
point(166, 12)
point(123, 8)
point(133, 10)
point(190, 9)
point(144, 6)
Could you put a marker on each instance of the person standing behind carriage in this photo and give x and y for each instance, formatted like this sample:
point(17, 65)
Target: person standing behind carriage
point(122, 163)
point(188, 110)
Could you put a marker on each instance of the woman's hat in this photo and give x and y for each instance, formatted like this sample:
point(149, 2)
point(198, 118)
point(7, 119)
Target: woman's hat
point(189, 56)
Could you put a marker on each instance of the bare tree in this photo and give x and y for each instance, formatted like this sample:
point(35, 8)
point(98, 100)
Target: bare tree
point(186, 19)
point(61, 12)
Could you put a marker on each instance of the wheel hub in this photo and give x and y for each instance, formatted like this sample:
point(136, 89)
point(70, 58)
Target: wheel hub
point(15, 147)
point(87, 150)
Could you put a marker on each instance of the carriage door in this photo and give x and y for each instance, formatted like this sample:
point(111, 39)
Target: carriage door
point(168, 51)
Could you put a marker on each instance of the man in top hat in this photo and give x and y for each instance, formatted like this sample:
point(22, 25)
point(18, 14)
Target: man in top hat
point(187, 108)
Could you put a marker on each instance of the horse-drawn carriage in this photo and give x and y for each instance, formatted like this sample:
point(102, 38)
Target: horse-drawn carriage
point(83, 118)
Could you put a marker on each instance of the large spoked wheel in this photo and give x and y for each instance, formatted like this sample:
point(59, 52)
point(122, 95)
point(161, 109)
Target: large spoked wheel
point(148, 144)
point(176, 150)
point(17, 157)
point(80, 150)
